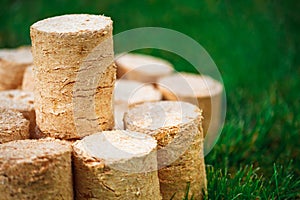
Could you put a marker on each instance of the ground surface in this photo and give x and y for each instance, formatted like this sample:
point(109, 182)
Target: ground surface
point(255, 44)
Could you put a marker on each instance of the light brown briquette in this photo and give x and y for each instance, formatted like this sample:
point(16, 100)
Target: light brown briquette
point(21, 101)
point(13, 63)
point(74, 75)
point(36, 169)
point(13, 126)
point(200, 90)
point(142, 68)
point(178, 130)
point(116, 165)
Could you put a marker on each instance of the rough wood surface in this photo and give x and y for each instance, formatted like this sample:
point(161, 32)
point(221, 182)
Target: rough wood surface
point(128, 93)
point(142, 68)
point(28, 80)
point(13, 126)
point(36, 169)
point(13, 62)
point(202, 91)
point(116, 165)
point(21, 101)
point(177, 128)
point(73, 68)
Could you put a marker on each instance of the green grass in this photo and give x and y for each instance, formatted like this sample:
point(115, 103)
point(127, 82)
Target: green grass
point(248, 183)
point(255, 44)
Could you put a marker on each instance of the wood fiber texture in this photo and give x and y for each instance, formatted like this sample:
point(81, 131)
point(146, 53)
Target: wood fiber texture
point(13, 126)
point(74, 75)
point(202, 91)
point(21, 101)
point(115, 178)
point(36, 169)
point(178, 130)
point(13, 63)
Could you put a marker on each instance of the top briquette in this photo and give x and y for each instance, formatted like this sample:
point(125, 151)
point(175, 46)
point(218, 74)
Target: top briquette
point(116, 145)
point(163, 114)
point(73, 23)
point(31, 150)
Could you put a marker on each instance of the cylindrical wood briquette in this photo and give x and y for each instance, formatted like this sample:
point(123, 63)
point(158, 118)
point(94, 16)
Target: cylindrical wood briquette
point(177, 128)
point(74, 74)
point(142, 68)
point(13, 126)
point(200, 90)
point(13, 63)
point(21, 101)
point(116, 165)
point(36, 169)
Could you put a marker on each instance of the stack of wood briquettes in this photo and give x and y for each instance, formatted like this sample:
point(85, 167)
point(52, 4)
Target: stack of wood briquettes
point(70, 130)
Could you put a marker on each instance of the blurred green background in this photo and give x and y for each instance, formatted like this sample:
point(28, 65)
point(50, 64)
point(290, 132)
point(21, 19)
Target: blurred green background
point(255, 44)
